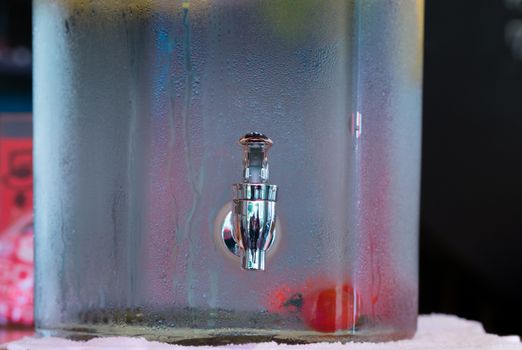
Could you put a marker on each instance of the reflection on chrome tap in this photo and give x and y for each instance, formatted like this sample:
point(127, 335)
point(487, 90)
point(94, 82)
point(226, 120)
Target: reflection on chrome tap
point(249, 230)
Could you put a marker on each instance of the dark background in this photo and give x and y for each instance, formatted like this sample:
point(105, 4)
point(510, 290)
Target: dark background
point(471, 213)
point(15, 55)
point(471, 208)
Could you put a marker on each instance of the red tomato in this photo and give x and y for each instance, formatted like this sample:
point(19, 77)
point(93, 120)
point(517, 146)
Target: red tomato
point(331, 309)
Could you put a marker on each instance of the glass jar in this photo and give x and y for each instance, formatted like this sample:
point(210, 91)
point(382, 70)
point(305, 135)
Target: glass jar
point(139, 106)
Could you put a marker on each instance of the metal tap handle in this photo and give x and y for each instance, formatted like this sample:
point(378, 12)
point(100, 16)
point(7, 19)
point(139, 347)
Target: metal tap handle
point(255, 157)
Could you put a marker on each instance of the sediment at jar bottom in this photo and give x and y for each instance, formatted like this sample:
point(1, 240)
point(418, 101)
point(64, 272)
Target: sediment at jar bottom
point(188, 326)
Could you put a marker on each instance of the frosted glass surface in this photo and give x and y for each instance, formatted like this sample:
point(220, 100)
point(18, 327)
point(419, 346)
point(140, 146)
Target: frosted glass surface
point(138, 109)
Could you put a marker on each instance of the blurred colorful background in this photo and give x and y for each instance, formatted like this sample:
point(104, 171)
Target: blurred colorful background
point(471, 222)
point(16, 171)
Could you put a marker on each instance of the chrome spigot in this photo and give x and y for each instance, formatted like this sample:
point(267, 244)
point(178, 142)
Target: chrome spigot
point(254, 215)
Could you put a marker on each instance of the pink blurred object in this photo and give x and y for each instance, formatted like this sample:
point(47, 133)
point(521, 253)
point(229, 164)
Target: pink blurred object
point(10, 334)
point(16, 272)
point(16, 220)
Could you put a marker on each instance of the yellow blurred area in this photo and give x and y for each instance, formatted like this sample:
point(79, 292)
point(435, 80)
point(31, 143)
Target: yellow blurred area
point(138, 7)
point(290, 19)
point(420, 39)
point(103, 6)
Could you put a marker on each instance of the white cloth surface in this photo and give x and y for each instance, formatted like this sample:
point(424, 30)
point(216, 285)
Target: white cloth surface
point(434, 332)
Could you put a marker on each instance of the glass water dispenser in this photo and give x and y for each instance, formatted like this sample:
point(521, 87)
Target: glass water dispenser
point(227, 171)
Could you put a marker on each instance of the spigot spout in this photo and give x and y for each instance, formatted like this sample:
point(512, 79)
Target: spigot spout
point(253, 259)
point(254, 214)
